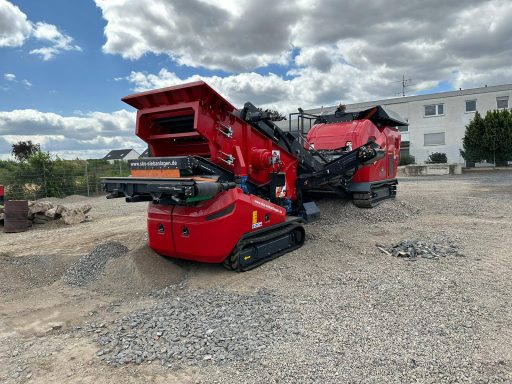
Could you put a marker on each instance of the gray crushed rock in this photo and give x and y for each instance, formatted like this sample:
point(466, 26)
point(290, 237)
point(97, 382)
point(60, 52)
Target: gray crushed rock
point(194, 328)
point(413, 249)
point(345, 213)
point(87, 268)
point(360, 318)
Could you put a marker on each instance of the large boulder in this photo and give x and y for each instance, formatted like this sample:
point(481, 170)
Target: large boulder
point(59, 210)
point(41, 212)
point(73, 216)
point(41, 218)
point(39, 207)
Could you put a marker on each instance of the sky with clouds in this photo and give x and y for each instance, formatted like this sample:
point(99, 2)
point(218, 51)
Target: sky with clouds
point(66, 64)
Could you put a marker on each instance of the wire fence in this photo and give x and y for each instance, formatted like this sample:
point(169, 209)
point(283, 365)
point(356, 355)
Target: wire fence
point(487, 163)
point(80, 179)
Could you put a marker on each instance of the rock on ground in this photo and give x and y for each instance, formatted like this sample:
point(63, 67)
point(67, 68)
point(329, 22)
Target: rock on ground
point(191, 328)
point(413, 249)
point(87, 268)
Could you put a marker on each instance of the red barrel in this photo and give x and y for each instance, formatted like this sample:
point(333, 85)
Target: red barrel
point(16, 216)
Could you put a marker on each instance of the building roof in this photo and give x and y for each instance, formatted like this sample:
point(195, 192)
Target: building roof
point(117, 154)
point(146, 153)
point(407, 99)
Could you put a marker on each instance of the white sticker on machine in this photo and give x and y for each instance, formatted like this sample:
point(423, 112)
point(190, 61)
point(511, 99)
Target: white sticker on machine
point(281, 191)
point(257, 225)
point(276, 156)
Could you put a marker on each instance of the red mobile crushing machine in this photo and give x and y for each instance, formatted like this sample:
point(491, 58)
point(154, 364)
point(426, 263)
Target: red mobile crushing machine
point(227, 185)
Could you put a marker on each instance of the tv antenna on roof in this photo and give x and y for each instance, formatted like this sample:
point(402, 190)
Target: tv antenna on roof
point(405, 84)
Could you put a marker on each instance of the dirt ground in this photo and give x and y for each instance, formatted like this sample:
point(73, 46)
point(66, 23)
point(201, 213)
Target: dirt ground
point(363, 316)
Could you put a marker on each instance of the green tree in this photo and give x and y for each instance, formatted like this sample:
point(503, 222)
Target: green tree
point(44, 175)
point(41, 167)
point(22, 150)
point(489, 138)
point(57, 177)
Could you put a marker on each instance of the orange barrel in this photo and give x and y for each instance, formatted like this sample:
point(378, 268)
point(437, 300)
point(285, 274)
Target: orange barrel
point(16, 216)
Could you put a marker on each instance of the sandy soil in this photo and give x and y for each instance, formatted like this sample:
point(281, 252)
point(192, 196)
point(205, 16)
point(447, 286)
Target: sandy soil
point(41, 316)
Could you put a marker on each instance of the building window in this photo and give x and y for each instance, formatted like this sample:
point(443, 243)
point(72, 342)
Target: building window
point(470, 105)
point(502, 102)
point(403, 128)
point(434, 109)
point(404, 148)
point(433, 139)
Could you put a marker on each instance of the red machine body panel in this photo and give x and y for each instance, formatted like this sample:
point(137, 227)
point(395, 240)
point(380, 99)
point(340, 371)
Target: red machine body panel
point(337, 135)
point(208, 128)
point(209, 231)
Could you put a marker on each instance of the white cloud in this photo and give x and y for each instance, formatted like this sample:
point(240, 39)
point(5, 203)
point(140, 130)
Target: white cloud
point(91, 133)
point(307, 89)
point(237, 89)
point(58, 41)
point(431, 42)
point(15, 28)
point(11, 78)
point(248, 35)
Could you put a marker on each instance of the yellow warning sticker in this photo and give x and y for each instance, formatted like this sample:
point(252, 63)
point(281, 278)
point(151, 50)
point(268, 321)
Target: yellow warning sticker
point(254, 217)
point(247, 257)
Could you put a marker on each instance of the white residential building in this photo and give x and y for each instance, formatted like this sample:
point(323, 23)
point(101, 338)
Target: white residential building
point(437, 122)
point(121, 155)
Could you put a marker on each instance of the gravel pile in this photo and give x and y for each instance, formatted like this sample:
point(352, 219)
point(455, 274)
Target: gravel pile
point(140, 271)
point(19, 274)
point(87, 268)
point(413, 249)
point(195, 328)
point(341, 212)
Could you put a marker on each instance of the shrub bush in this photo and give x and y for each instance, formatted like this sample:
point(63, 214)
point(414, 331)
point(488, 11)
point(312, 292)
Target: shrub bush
point(437, 158)
point(407, 159)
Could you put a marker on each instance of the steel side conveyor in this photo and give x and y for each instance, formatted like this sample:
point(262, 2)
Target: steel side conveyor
point(164, 190)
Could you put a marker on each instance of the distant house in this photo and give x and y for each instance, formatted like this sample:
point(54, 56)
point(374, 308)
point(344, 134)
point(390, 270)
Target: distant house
point(146, 153)
point(121, 154)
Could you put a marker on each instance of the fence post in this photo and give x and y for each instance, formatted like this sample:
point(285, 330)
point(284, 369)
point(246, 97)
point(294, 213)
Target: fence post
point(95, 178)
point(87, 178)
point(44, 181)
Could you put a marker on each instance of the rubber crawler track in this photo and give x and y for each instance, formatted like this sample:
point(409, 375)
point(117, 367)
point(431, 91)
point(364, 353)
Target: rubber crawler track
point(232, 262)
